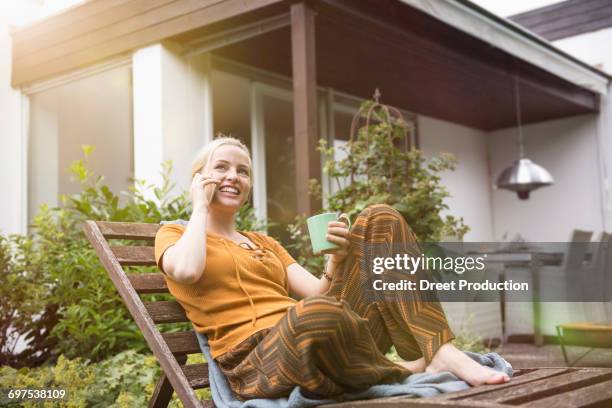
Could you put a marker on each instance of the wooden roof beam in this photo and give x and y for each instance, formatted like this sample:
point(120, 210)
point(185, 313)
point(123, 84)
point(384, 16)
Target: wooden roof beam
point(307, 158)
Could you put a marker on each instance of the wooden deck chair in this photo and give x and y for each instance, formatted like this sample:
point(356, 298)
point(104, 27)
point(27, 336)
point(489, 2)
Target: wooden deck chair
point(170, 349)
point(590, 334)
point(532, 387)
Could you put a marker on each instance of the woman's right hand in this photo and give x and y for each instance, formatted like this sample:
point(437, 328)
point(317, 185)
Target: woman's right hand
point(184, 261)
point(202, 191)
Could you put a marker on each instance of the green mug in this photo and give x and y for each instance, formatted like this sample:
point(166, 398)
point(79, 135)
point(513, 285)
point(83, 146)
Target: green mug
point(317, 229)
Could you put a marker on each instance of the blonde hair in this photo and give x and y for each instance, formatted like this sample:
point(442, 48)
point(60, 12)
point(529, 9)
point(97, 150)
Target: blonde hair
point(205, 155)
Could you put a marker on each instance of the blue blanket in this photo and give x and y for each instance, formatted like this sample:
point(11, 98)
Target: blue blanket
point(416, 385)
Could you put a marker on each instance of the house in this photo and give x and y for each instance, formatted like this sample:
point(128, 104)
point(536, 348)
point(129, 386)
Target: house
point(149, 81)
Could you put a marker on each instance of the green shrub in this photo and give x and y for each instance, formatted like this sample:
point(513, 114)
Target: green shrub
point(468, 340)
point(301, 248)
point(73, 376)
point(381, 172)
point(22, 313)
point(375, 170)
point(55, 291)
point(125, 380)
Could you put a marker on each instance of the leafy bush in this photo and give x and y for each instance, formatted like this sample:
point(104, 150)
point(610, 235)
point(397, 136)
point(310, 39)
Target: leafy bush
point(55, 292)
point(381, 172)
point(125, 380)
point(21, 311)
point(301, 248)
point(467, 340)
point(375, 170)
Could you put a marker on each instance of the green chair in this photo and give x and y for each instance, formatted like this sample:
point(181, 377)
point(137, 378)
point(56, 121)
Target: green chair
point(598, 286)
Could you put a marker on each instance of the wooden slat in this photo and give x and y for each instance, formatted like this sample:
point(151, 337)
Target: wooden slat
point(546, 387)
point(373, 402)
point(30, 55)
point(139, 312)
point(67, 17)
point(135, 255)
point(84, 28)
point(128, 230)
point(597, 395)
point(148, 282)
point(578, 397)
point(166, 311)
point(522, 371)
point(197, 374)
point(514, 382)
point(407, 402)
point(162, 394)
point(114, 44)
point(184, 342)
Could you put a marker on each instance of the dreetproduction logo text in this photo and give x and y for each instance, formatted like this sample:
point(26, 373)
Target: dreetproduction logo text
point(458, 265)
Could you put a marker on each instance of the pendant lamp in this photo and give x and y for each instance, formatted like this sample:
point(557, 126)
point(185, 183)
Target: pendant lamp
point(523, 176)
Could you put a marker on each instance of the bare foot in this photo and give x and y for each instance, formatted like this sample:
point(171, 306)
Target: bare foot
point(416, 366)
point(450, 358)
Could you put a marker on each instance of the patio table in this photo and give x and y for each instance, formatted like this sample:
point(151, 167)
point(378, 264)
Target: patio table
point(534, 261)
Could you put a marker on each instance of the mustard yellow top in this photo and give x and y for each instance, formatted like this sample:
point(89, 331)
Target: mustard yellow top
point(242, 290)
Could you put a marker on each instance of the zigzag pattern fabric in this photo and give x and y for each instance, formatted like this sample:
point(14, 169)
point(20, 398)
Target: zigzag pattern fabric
point(336, 343)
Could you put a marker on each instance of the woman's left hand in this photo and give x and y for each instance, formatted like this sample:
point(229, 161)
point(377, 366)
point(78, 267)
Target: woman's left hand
point(338, 233)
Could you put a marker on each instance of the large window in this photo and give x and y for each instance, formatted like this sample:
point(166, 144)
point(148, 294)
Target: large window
point(95, 110)
point(277, 126)
point(262, 117)
point(257, 107)
point(231, 106)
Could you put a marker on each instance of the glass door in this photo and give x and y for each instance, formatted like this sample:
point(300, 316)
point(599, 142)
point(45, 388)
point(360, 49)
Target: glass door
point(273, 148)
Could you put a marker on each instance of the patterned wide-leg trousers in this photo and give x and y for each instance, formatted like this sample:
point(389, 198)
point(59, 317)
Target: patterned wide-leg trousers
point(336, 343)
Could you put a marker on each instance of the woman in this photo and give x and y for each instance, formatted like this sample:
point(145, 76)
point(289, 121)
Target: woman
point(235, 286)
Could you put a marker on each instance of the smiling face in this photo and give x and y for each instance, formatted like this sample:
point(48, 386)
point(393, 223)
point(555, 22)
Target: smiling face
point(231, 166)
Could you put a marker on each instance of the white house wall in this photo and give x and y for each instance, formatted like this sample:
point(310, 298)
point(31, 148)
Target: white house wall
point(14, 113)
point(593, 47)
point(43, 167)
point(604, 134)
point(93, 110)
point(469, 186)
point(172, 118)
point(13, 175)
point(576, 152)
point(567, 148)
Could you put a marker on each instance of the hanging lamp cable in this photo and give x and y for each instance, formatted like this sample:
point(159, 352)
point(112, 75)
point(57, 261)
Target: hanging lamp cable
point(517, 99)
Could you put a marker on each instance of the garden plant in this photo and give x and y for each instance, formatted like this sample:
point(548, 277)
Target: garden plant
point(78, 335)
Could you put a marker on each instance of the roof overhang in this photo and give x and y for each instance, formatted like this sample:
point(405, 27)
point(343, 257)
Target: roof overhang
point(95, 31)
point(446, 59)
point(421, 64)
point(513, 39)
